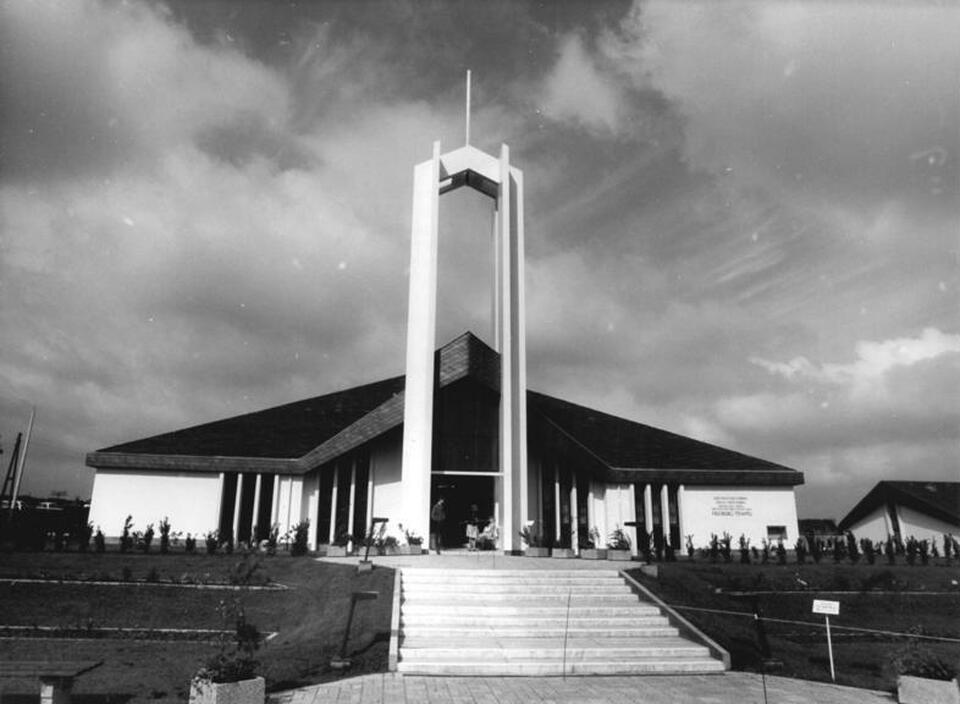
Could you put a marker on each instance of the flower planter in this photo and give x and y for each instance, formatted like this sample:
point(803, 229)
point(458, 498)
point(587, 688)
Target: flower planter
point(562, 553)
point(410, 550)
point(336, 551)
point(619, 555)
point(243, 692)
point(593, 554)
point(537, 552)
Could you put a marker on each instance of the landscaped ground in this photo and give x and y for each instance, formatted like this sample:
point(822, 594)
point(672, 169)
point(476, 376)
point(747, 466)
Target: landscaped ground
point(309, 617)
point(914, 599)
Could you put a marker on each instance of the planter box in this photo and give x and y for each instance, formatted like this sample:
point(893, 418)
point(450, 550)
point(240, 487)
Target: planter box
point(336, 551)
point(410, 550)
point(243, 692)
point(562, 553)
point(593, 554)
point(619, 555)
point(537, 552)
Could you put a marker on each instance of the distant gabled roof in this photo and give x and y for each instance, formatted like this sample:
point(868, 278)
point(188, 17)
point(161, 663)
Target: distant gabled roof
point(939, 500)
point(296, 437)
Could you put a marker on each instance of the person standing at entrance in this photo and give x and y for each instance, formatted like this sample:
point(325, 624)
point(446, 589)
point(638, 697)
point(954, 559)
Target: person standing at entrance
point(438, 514)
point(473, 527)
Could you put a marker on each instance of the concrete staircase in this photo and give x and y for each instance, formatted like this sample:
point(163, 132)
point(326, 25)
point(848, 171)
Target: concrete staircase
point(536, 622)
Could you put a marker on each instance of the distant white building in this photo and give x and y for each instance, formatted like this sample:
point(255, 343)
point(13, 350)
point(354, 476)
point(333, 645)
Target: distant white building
point(922, 510)
point(460, 424)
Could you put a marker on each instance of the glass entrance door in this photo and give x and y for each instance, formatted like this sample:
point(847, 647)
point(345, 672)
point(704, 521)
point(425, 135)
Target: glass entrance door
point(461, 493)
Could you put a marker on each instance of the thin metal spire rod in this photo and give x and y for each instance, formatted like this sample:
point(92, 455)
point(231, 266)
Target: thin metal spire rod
point(467, 142)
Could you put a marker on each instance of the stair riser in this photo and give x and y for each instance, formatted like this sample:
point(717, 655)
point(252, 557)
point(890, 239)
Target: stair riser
point(555, 669)
point(489, 655)
point(468, 632)
point(468, 600)
point(417, 610)
point(487, 590)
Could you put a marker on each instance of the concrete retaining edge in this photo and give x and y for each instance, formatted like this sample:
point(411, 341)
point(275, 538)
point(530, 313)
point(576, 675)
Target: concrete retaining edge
point(679, 621)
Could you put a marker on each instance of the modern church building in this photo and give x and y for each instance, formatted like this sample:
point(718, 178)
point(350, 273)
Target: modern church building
point(460, 424)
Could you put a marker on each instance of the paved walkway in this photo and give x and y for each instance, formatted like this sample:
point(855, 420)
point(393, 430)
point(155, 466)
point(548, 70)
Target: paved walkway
point(728, 688)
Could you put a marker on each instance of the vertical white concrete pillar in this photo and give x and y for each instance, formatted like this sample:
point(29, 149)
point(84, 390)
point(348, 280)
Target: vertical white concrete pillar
point(574, 517)
point(648, 509)
point(273, 501)
point(333, 504)
point(236, 507)
point(370, 485)
point(680, 492)
point(353, 497)
point(421, 342)
point(591, 511)
point(220, 507)
point(256, 509)
point(313, 512)
point(556, 503)
point(665, 512)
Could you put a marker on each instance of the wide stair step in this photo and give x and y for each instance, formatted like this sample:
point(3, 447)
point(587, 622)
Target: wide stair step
point(536, 622)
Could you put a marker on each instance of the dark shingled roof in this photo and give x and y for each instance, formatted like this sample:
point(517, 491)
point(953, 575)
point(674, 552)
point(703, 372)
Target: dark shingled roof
point(622, 449)
point(626, 444)
point(940, 500)
point(287, 431)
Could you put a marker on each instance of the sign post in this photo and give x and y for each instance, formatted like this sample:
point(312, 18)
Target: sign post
point(828, 608)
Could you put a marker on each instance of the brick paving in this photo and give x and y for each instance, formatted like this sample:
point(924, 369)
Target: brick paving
point(728, 688)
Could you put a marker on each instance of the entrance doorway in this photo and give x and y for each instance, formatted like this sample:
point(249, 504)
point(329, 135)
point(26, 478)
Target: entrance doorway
point(460, 493)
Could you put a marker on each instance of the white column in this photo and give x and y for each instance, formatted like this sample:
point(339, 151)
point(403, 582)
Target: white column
point(353, 496)
point(574, 516)
point(421, 342)
point(648, 509)
point(313, 513)
point(680, 490)
point(370, 491)
point(256, 508)
point(665, 513)
point(236, 507)
point(556, 503)
point(274, 500)
point(220, 481)
point(333, 504)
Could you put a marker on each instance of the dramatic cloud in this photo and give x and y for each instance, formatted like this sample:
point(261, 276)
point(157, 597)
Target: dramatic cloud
point(741, 221)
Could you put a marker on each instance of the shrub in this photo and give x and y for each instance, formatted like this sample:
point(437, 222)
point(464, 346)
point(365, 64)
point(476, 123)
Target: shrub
point(164, 536)
point(190, 544)
point(226, 540)
point(714, 547)
point(852, 550)
point(947, 547)
point(126, 538)
point(644, 543)
point(890, 551)
point(816, 550)
point(912, 548)
point(531, 535)
point(800, 548)
point(618, 539)
point(744, 550)
point(781, 553)
point(301, 533)
point(918, 660)
point(923, 548)
point(83, 536)
point(691, 552)
point(765, 554)
point(414, 539)
point(245, 570)
point(235, 660)
point(725, 551)
point(147, 538)
point(99, 541)
point(272, 539)
point(212, 540)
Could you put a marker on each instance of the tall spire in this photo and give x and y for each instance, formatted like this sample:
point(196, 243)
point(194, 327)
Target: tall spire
point(467, 140)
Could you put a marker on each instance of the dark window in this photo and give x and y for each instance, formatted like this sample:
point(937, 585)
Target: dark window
point(360, 525)
point(325, 503)
point(266, 506)
point(466, 422)
point(227, 504)
point(776, 532)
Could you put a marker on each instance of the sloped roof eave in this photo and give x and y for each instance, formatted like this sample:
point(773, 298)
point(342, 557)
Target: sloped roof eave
point(709, 477)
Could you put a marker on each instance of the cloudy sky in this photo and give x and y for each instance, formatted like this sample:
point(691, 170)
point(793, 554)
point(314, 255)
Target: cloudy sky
point(743, 221)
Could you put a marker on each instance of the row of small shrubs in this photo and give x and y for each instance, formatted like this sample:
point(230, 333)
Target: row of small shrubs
point(214, 542)
point(840, 549)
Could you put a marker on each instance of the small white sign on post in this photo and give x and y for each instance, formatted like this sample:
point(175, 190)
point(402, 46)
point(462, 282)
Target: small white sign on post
point(828, 608)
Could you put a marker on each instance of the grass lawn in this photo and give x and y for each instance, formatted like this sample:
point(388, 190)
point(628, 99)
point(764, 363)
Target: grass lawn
point(309, 618)
point(918, 599)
